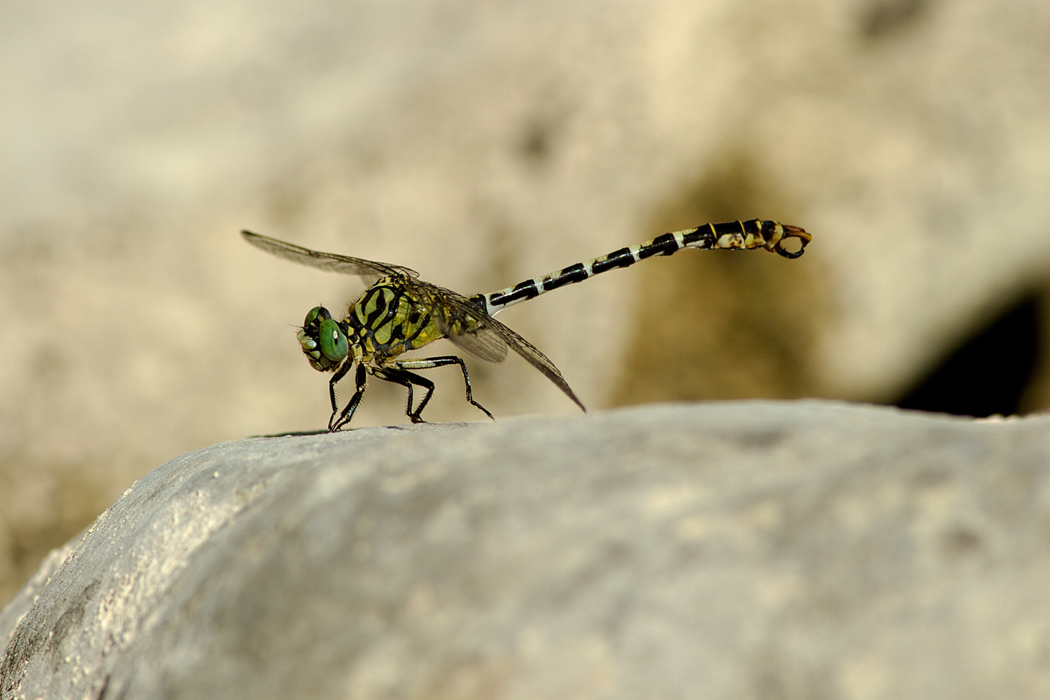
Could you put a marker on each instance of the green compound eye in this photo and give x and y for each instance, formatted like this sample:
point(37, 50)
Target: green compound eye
point(317, 311)
point(333, 342)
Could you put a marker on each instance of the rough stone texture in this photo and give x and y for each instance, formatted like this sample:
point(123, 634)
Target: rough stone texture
point(723, 550)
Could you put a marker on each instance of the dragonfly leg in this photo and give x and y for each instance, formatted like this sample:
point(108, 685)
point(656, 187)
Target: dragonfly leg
point(359, 391)
point(444, 361)
point(407, 379)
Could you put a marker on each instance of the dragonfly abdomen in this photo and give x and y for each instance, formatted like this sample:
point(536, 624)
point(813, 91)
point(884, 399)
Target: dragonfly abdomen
point(733, 235)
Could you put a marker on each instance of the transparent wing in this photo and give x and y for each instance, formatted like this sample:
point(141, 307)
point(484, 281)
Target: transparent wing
point(330, 262)
point(471, 328)
point(467, 325)
point(535, 358)
point(482, 342)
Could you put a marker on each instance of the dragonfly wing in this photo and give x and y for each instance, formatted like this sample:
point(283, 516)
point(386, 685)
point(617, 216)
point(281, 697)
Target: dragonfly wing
point(482, 342)
point(330, 262)
point(463, 322)
point(535, 358)
point(470, 327)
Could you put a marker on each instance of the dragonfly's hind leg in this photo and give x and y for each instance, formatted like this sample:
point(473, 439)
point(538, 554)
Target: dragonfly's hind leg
point(431, 363)
point(348, 412)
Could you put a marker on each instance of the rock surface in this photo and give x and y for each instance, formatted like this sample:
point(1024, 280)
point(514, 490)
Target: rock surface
point(722, 550)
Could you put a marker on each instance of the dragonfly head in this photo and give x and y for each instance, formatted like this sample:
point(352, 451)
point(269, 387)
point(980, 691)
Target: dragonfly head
point(323, 340)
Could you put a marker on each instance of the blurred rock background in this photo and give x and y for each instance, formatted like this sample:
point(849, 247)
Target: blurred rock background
point(482, 143)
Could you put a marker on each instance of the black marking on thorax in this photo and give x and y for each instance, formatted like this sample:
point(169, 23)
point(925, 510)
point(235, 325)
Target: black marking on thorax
point(421, 323)
point(376, 309)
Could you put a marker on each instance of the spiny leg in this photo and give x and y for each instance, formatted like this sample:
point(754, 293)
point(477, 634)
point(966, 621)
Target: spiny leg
point(408, 380)
point(359, 391)
point(443, 361)
point(336, 378)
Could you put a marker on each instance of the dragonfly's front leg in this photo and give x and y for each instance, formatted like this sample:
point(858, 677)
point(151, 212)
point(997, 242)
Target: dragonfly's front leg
point(348, 412)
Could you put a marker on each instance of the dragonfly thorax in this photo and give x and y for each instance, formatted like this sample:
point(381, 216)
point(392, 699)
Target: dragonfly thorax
point(324, 340)
point(390, 318)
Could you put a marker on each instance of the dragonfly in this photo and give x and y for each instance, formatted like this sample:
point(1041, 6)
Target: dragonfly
point(399, 312)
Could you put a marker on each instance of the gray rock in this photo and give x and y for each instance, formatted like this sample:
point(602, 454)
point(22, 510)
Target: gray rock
point(763, 550)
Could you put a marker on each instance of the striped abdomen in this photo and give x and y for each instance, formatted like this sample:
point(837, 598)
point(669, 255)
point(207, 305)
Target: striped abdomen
point(734, 235)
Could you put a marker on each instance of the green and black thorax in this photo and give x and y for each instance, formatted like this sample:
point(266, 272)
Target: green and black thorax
point(391, 317)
